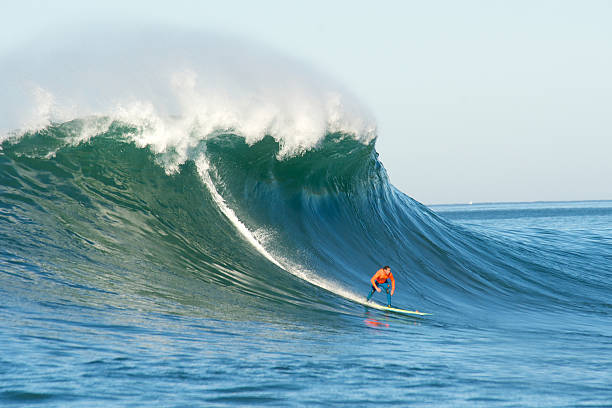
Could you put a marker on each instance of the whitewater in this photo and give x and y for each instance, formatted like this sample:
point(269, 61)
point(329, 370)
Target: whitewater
point(191, 220)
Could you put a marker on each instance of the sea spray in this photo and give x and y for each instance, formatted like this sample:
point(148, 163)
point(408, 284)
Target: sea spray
point(173, 86)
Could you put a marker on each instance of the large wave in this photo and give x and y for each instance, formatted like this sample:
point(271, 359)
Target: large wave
point(191, 173)
point(106, 214)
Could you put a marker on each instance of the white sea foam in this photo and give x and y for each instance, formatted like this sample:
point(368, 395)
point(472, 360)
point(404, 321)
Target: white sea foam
point(176, 88)
point(203, 170)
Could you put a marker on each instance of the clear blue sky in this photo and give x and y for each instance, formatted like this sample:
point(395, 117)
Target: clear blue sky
point(475, 100)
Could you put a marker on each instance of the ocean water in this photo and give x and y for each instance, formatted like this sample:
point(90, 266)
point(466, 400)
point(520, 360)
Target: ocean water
point(170, 240)
point(242, 282)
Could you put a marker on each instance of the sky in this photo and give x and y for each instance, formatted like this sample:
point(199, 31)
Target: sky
point(475, 101)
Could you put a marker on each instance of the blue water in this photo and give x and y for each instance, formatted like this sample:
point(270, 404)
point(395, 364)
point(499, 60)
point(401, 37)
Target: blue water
point(242, 283)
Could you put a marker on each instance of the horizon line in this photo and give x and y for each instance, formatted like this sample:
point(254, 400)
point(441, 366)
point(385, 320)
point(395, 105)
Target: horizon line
point(519, 202)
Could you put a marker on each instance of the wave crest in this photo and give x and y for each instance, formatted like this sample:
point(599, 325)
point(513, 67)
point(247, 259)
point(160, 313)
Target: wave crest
point(177, 87)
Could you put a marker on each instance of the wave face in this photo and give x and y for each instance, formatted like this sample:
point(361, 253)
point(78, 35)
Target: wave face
point(106, 220)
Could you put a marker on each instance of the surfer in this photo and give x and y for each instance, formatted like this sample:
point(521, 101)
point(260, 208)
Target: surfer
point(382, 278)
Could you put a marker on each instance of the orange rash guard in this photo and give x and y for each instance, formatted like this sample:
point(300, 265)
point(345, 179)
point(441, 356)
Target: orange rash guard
point(381, 277)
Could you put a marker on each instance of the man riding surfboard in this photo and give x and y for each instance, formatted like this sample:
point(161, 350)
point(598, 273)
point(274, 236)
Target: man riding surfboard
point(382, 278)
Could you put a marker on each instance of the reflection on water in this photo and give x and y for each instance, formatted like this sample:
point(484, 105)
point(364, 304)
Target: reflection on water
point(375, 323)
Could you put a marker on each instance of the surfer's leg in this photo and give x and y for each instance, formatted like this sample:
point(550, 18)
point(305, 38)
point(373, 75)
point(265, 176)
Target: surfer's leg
point(371, 293)
point(388, 290)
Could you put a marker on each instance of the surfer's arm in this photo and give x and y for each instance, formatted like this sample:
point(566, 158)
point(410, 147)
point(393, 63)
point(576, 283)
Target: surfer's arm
point(392, 283)
point(373, 280)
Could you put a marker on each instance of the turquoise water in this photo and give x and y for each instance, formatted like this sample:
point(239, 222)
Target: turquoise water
point(240, 282)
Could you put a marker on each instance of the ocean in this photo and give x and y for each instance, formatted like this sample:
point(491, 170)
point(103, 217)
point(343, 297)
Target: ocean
point(169, 240)
point(241, 282)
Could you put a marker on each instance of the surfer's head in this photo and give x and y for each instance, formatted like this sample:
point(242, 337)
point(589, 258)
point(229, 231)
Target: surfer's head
point(387, 268)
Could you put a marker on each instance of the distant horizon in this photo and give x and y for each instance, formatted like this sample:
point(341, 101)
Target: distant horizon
point(520, 202)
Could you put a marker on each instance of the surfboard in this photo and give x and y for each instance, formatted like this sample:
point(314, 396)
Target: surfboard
point(405, 312)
